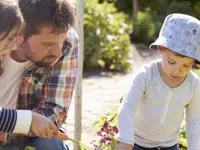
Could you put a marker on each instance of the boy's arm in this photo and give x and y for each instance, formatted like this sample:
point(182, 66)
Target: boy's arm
point(128, 107)
point(193, 121)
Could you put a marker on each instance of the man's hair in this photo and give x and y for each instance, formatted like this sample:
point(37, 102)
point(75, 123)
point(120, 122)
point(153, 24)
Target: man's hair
point(11, 17)
point(38, 13)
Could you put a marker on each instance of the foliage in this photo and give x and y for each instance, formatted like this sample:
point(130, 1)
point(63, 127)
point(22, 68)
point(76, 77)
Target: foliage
point(157, 10)
point(107, 43)
point(182, 140)
point(29, 148)
point(196, 9)
point(197, 71)
point(144, 28)
point(126, 7)
point(157, 14)
point(180, 7)
point(106, 130)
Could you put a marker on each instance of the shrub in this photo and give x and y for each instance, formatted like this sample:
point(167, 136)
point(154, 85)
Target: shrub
point(196, 9)
point(120, 5)
point(180, 7)
point(144, 28)
point(106, 36)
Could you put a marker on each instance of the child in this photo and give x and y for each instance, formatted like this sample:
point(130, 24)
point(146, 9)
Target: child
point(153, 109)
point(18, 121)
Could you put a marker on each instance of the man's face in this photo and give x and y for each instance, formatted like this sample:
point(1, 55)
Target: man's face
point(44, 49)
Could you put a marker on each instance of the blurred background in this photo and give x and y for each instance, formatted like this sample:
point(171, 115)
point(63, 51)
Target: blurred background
point(111, 26)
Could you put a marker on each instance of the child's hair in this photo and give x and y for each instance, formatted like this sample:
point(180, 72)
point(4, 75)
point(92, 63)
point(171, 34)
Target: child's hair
point(176, 54)
point(11, 18)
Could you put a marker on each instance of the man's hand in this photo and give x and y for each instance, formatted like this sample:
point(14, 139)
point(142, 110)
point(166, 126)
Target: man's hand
point(42, 126)
point(123, 146)
point(61, 136)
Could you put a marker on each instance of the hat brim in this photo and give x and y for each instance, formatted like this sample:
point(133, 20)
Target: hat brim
point(161, 41)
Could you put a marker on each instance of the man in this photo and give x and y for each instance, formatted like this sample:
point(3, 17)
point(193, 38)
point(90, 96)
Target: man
point(11, 120)
point(47, 86)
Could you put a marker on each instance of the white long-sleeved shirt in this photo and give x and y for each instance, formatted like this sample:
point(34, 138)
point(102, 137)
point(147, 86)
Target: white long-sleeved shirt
point(151, 112)
point(9, 90)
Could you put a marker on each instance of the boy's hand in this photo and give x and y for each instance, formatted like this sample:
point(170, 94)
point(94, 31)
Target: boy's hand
point(42, 126)
point(123, 146)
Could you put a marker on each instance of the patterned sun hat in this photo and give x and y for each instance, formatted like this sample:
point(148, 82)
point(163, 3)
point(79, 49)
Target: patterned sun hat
point(181, 34)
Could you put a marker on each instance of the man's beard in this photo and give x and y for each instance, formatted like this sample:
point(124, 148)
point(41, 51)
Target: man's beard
point(42, 63)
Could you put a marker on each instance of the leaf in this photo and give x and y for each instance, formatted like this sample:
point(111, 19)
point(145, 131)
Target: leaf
point(30, 148)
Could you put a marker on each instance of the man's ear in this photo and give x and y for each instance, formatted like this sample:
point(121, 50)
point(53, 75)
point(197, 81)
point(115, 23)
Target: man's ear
point(19, 40)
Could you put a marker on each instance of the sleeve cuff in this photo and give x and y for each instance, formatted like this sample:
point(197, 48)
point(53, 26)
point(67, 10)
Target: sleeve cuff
point(23, 123)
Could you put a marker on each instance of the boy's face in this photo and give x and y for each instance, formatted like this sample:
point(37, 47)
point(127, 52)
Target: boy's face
point(174, 65)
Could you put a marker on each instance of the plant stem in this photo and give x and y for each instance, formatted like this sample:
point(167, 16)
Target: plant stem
point(79, 143)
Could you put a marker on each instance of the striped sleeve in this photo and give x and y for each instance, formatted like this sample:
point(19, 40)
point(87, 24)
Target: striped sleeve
point(23, 123)
point(8, 118)
point(15, 121)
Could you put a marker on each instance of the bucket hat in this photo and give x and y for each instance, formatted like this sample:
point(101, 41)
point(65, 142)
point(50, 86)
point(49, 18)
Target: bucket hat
point(181, 34)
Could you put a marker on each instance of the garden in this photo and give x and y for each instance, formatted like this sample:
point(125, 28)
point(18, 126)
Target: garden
point(111, 27)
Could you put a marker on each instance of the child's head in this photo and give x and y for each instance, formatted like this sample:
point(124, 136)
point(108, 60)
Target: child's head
point(179, 44)
point(10, 25)
point(175, 64)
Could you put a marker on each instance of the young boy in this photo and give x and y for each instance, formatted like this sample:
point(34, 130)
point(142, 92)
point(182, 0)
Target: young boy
point(153, 109)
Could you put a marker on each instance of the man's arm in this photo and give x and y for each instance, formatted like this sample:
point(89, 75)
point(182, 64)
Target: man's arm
point(12, 121)
point(193, 121)
point(58, 91)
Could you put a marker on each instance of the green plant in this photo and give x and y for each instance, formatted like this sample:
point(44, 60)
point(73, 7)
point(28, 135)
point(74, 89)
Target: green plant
point(107, 41)
point(182, 140)
point(81, 145)
point(29, 148)
point(144, 27)
point(197, 71)
point(106, 129)
point(180, 7)
point(120, 5)
point(195, 9)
